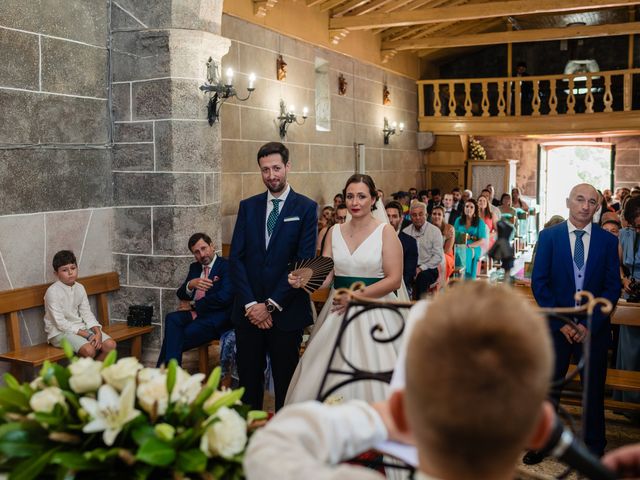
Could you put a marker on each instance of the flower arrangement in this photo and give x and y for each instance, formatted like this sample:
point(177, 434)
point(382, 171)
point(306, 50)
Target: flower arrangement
point(117, 419)
point(476, 150)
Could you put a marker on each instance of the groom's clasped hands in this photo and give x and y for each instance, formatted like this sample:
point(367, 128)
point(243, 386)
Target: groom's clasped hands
point(259, 316)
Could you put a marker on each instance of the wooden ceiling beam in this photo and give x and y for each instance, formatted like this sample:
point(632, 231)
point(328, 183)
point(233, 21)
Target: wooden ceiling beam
point(471, 12)
point(313, 3)
point(331, 4)
point(370, 7)
point(342, 9)
point(518, 36)
point(408, 5)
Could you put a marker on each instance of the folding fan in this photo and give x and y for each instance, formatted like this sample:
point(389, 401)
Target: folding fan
point(312, 272)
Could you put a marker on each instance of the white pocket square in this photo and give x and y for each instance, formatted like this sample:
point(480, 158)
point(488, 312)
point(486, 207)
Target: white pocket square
point(292, 219)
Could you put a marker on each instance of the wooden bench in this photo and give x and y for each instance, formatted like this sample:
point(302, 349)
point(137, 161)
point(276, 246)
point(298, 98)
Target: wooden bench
point(13, 301)
point(623, 380)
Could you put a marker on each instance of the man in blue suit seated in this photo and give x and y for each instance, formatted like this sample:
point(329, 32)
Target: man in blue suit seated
point(573, 256)
point(205, 297)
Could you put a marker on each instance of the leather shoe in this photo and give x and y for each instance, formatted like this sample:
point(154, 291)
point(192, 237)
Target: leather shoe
point(532, 457)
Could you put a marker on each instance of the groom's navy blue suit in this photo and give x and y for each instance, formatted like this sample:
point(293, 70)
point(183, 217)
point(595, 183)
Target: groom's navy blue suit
point(259, 272)
point(554, 285)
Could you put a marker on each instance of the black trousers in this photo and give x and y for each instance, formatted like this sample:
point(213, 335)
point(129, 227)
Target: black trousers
point(424, 280)
point(594, 430)
point(252, 345)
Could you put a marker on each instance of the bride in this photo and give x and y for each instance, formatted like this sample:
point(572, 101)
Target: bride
point(367, 250)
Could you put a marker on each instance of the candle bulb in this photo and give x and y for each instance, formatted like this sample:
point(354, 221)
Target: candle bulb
point(252, 79)
point(292, 109)
point(394, 124)
point(229, 76)
point(401, 127)
point(305, 112)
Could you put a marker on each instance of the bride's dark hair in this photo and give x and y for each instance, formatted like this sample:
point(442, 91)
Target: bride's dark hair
point(368, 181)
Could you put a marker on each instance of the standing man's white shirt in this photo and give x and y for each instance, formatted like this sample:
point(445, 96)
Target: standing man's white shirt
point(270, 197)
point(586, 238)
point(430, 245)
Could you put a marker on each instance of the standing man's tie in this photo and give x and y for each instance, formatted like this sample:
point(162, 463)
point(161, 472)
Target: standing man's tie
point(578, 252)
point(200, 293)
point(273, 216)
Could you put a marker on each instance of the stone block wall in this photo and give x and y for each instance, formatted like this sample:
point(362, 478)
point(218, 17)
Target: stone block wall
point(166, 157)
point(55, 162)
point(320, 161)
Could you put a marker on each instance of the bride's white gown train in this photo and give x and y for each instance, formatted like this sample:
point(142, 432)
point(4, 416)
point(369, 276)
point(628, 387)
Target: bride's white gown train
point(365, 264)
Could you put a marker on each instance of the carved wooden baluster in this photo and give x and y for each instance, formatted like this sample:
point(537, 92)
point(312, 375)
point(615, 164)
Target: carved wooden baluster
point(571, 99)
point(553, 98)
point(467, 99)
point(608, 97)
point(627, 92)
point(485, 99)
point(536, 98)
point(517, 98)
point(501, 101)
point(452, 99)
point(437, 106)
point(588, 99)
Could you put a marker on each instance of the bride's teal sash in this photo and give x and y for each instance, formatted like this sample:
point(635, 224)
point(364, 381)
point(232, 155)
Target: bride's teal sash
point(346, 282)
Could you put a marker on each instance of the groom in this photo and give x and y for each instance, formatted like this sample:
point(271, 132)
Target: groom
point(273, 229)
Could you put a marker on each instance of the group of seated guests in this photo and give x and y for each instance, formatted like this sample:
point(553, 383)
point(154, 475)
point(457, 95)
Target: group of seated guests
point(460, 219)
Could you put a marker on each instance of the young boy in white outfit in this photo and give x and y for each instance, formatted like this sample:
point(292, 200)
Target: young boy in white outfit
point(67, 314)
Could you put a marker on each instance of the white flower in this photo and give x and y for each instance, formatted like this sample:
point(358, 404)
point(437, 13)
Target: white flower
point(85, 375)
point(147, 374)
point(187, 387)
point(226, 437)
point(154, 391)
point(110, 412)
point(45, 400)
point(118, 374)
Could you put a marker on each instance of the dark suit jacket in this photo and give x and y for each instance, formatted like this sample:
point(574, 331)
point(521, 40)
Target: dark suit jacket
point(552, 279)
point(453, 215)
point(258, 272)
point(219, 297)
point(410, 249)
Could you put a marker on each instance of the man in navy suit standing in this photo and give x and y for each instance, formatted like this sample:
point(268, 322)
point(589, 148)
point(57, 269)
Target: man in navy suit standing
point(273, 229)
point(205, 302)
point(573, 256)
point(409, 245)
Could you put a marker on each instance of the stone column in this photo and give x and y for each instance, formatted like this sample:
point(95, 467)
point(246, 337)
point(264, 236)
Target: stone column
point(166, 159)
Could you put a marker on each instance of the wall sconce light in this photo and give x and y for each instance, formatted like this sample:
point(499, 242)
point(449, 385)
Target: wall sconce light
point(391, 130)
point(288, 116)
point(222, 91)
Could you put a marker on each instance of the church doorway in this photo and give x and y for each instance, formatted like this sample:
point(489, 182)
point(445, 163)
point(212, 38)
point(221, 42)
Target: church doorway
point(561, 165)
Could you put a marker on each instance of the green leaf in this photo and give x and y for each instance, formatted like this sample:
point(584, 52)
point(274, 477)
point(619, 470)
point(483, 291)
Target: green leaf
point(72, 398)
point(62, 375)
point(74, 461)
point(142, 434)
point(157, 453)
point(13, 398)
point(256, 415)
point(142, 471)
point(191, 461)
point(31, 468)
point(101, 454)
point(68, 349)
point(202, 397)
point(214, 378)
point(225, 401)
point(11, 381)
point(172, 373)
point(111, 358)
point(18, 441)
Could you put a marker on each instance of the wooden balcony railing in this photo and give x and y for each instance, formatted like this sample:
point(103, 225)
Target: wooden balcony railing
point(476, 105)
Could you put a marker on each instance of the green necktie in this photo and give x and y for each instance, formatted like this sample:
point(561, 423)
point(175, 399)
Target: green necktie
point(273, 216)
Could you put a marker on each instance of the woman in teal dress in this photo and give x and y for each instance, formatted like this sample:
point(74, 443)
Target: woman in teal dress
point(477, 234)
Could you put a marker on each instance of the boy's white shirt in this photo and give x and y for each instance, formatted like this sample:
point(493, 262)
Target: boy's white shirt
point(67, 310)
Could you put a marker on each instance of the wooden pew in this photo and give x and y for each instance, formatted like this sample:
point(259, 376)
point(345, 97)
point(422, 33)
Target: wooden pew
point(13, 301)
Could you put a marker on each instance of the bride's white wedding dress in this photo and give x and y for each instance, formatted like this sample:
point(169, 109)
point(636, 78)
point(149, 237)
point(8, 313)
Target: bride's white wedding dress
point(365, 263)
